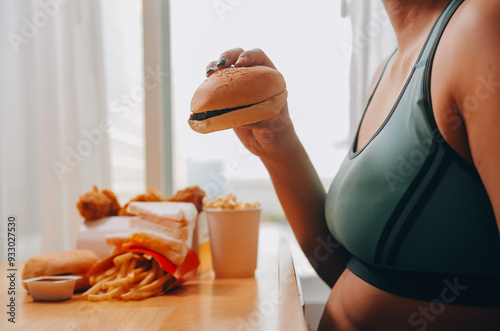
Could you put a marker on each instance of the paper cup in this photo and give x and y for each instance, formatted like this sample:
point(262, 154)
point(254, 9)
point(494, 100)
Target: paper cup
point(234, 236)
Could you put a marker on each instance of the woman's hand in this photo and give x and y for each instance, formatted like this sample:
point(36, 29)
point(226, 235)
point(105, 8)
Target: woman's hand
point(270, 138)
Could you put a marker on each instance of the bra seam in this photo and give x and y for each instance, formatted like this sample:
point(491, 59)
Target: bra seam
point(417, 209)
point(402, 204)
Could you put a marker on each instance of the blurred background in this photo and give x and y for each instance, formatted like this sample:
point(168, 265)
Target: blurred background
point(97, 92)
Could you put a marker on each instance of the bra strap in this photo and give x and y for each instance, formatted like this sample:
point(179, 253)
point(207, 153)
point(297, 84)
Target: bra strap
point(437, 30)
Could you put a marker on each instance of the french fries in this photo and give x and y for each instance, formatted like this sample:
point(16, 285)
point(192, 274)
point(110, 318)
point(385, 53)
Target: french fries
point(134, 276)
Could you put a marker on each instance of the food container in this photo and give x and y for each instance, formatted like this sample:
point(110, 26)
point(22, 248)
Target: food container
point(51, 288)
point(92, 234)
point(234, 238)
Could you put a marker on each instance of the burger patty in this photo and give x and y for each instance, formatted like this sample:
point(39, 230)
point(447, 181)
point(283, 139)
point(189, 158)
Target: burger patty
point(212, 113)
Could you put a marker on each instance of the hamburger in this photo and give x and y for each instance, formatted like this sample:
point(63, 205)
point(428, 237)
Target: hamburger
point(233, 97)
point(75, 262)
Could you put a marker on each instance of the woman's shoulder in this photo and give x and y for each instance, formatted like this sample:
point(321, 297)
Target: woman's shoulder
point(470, 46)
point(483, 7)
point(478, 22)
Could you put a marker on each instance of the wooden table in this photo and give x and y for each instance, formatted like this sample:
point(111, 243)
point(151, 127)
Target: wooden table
point(270, 301)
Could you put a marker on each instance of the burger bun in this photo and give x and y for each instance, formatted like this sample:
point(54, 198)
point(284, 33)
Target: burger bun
point(233, 97)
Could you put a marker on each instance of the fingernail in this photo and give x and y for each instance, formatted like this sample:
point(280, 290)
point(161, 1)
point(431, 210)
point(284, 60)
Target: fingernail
point(210, 69)
point(221, 62)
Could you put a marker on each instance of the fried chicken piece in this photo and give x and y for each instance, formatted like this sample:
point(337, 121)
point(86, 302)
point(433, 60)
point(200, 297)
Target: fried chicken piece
point(94, 204)
point(151, 195)
point(192, 194)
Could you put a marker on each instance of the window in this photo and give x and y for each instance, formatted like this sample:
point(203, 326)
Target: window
point(123, 63)
point(304, 42)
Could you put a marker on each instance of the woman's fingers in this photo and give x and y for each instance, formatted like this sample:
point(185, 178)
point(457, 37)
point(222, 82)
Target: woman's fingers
point(210, 68)
point(225, 60)
point(228, 58)
point(239, 58)
point(254, 57)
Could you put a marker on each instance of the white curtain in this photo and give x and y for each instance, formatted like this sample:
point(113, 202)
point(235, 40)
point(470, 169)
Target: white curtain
point(53, 120)
point(373, 40)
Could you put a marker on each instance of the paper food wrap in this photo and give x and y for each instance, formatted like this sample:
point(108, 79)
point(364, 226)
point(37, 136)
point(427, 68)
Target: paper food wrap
point(92, 234)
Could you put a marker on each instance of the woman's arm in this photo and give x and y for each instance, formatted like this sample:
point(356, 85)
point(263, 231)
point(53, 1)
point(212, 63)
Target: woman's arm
point(302, 197)
point(295, 180)
point(477, 92)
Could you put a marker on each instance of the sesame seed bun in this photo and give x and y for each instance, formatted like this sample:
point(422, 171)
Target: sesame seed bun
point(234, 97)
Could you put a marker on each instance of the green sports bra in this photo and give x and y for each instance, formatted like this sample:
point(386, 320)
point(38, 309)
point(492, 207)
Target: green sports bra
point(407, 200)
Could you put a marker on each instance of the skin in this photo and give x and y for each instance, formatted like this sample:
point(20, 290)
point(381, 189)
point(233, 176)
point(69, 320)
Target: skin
point(467, 112)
